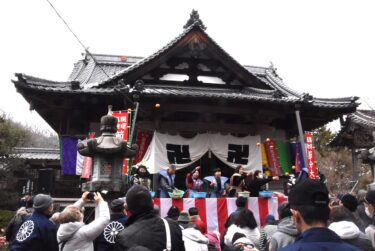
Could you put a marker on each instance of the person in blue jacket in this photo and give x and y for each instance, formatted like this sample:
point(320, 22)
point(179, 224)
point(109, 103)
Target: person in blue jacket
point(309, 205)
point(38, 233)
point(217, 184)
point(166, 181)
point(106, 241)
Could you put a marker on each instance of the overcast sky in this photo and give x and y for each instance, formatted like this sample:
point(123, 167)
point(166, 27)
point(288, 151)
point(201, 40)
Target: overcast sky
point(326, 48)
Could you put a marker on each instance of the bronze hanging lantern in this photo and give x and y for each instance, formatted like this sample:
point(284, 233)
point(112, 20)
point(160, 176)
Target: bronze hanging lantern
point(108, 152)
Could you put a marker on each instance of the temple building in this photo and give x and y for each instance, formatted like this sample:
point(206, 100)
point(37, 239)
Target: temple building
point(190, 86)
point(358, 134)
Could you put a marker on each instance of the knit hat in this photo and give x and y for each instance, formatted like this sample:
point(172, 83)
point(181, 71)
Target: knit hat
point(139, 200)
point(241, 238)
point(270, 218)
point(42, 202)
point(350, 202)
point(361, 195)
point(370, 197)
point(309, 192)
point(117, 205)
point(183, 217)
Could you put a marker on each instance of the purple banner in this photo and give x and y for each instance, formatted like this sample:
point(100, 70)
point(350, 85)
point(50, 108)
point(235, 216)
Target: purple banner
point(68, 155)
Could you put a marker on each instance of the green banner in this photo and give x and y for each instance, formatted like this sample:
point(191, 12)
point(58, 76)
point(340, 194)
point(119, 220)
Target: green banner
point(283, 151)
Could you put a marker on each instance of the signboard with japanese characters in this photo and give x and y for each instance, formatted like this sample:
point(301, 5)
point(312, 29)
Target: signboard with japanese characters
point(311, 167)
point(123, 131)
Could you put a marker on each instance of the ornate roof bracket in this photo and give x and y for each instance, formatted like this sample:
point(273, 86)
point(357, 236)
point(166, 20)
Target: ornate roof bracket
point(307, 98)
point(75, 85)
point(194, 20)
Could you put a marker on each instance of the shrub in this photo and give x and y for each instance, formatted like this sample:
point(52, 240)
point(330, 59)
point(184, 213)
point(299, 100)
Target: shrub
point(5, 217)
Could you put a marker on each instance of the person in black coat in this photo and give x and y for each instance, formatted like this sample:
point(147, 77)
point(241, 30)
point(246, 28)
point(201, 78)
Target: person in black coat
point(254, 183)
point(105, 241)
point(22, 214)
point(143, 227)
point(38, 233)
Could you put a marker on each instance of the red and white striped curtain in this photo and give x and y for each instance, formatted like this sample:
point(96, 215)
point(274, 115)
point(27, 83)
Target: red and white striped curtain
point(215, 211)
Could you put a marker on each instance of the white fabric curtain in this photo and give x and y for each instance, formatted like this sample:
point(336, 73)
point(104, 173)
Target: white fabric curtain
point(166, 149)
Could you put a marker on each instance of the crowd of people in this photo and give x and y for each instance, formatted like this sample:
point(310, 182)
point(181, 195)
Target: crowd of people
point(215, 186)
point(310, 220)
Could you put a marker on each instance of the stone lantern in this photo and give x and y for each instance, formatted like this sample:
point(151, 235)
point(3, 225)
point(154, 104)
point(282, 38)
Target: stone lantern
point(107, 152)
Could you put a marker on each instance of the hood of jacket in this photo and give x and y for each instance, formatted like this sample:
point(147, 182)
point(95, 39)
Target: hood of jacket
point(195, 235)
point(24, 211)
point(67, 230)
point(287, 226)
point(345, 229)
point(117, 216)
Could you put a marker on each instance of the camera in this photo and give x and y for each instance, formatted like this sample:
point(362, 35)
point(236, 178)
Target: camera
point(90, 196)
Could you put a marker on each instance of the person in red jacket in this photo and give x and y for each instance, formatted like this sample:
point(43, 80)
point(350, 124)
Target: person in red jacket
point(195, 219)
point(193, 183)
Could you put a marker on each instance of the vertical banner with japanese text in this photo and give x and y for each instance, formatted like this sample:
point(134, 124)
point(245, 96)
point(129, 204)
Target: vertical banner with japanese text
point(123, 131)
point(87, 162)
point(311, 167)
point(143, 141)
point(273, 158)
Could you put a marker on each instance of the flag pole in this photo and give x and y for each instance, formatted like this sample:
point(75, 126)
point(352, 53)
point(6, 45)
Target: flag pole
point(134, 119)
point(301, 136)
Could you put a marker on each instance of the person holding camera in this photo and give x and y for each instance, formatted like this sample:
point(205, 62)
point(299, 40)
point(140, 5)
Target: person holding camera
point(73, 233)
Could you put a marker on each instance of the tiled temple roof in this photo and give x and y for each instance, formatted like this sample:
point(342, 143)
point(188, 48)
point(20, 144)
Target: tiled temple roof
point(29, 153)
point(356, 130)
point(99, 74)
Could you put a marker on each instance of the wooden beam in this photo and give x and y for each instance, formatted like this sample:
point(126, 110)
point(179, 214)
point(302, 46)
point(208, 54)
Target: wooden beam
point(197, 127)
point(218, 109)
point(162, 72)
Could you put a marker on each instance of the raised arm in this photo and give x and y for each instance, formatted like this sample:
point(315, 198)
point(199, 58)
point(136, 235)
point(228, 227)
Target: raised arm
point(102, 216)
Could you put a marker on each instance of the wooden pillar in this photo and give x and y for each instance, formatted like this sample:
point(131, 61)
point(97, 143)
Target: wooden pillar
point(354, 165)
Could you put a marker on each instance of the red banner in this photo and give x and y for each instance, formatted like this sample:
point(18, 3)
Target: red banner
point(123, 131)
point(311, 167)
point(272, 156)
point(87, 162)
point(143, 141)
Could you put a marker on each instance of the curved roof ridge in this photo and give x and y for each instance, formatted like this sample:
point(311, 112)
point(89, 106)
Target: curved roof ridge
point(92, 64)
point(363, 117)
point(341, 99)
point(146, 59)
point(29, 78)
point(260, 91)
point(256, 66)
point(170, 45)
point(280, 85)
